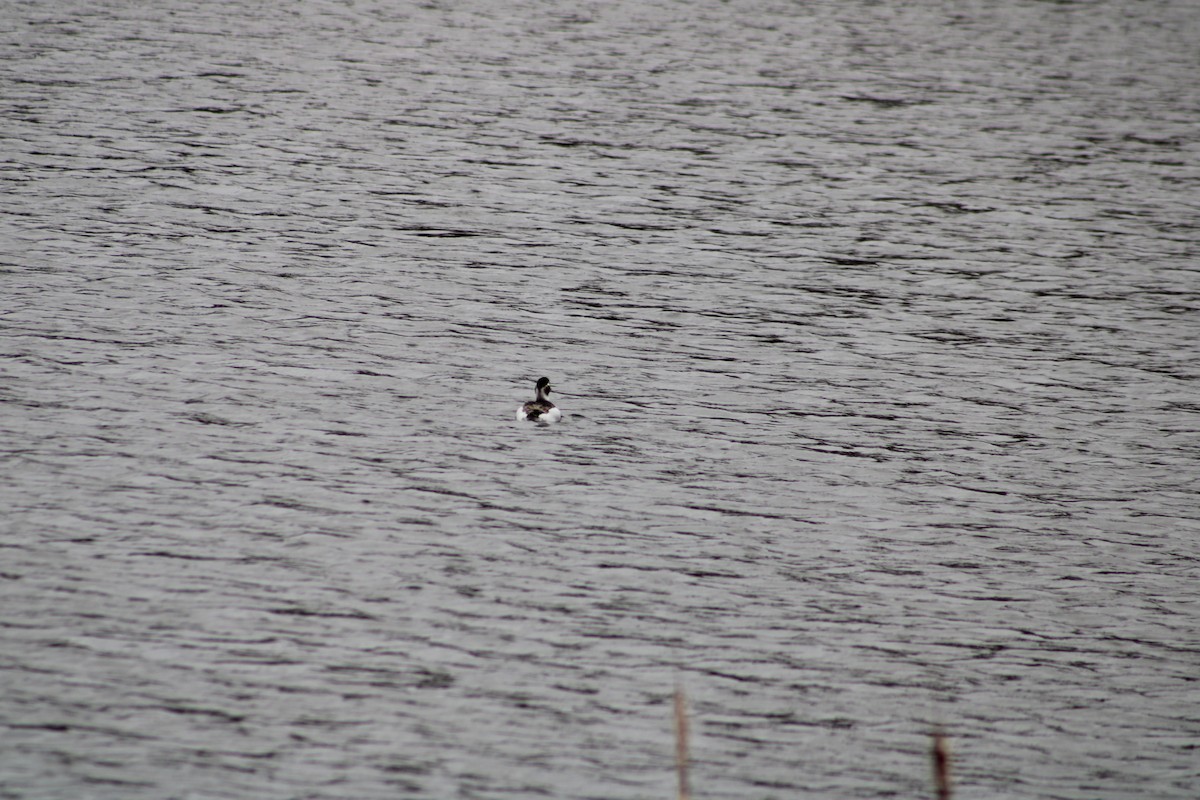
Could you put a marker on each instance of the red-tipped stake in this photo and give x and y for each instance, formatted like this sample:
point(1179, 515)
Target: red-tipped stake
point(941, 765)
point(681, 743)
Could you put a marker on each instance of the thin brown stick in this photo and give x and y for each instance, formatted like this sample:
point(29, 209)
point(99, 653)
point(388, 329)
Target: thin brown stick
point(941, 765)
point(681, 743)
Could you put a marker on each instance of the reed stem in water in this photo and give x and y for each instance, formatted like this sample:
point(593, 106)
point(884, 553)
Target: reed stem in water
point(941, 765)
point(681, 743)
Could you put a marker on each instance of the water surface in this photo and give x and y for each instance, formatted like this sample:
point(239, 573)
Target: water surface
point(876, 327)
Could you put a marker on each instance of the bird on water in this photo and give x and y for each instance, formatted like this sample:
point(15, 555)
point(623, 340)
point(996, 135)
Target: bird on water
point(540, 409)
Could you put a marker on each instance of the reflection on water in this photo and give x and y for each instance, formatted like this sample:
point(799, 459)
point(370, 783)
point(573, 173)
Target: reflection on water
point(875, 328)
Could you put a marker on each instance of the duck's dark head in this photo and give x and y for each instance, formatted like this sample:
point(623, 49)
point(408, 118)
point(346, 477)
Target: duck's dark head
point(543, 385)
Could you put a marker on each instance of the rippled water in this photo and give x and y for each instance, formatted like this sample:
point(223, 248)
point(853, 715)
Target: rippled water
point(876, 326)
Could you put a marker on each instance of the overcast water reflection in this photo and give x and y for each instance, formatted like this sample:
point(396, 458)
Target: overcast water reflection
point(876, 329)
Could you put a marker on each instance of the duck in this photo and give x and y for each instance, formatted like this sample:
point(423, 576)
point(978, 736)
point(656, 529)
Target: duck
point(540, 410)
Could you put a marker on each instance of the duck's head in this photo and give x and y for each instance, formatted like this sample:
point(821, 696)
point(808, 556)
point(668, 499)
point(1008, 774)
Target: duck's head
point(543, 385)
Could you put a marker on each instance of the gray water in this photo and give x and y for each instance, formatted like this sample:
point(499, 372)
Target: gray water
point(876, 327)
